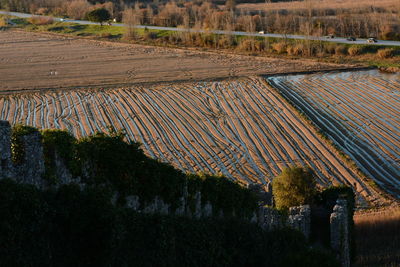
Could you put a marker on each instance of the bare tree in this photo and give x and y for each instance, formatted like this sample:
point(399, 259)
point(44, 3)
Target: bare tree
point(131, 19)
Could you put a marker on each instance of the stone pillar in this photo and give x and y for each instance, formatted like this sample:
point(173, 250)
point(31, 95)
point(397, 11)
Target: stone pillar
point(133, 202)
point(63, 174)
point(300, 219)
point(207, 210)
point(269, 218)
point(198, 209)
point(6, 167)
point(340, 232)
point(32, 169)
point(264, 192)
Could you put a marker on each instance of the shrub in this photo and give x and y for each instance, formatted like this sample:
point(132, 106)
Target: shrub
point(294, 186)
point(340, 50)
point(385, 53)
point(226, 41)
point(36, 20)
point(17, 148)
point(355, 50)
point(98, 15)
point(247, 45)
point(3, 22)
point(296, 50)
point(42, 11)
point(77, 9)
point(62, 143)
point(279, 47)
point(330, 49)
point(148, 35)
point(106, 35)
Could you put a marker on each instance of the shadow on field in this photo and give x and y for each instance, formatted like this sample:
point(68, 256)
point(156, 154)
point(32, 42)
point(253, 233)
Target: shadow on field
point(378, 238)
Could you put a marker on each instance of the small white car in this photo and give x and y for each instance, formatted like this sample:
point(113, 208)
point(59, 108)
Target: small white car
point(261, 32)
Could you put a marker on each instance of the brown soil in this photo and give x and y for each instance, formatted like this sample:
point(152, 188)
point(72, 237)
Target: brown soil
point(359, 112)
point(40, 61)
point(240, 128)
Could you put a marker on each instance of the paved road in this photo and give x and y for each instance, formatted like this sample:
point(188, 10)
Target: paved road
point(289, 36)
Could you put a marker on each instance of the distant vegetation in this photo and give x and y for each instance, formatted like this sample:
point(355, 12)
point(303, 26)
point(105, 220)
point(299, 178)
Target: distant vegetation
point(387, 57)
point(309, 17)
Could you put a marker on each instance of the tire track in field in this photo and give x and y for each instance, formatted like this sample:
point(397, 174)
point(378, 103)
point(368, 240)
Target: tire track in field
point(240, 128)
point(360, 112)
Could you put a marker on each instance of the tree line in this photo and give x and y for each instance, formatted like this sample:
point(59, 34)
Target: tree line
point(359, 22)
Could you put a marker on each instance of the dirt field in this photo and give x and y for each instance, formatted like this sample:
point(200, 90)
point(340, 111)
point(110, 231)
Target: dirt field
point(38, 61)
point(240, 128)
point(360, 112)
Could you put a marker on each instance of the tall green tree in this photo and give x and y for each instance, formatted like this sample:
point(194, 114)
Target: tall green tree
point(99, 15)
point(294, 186)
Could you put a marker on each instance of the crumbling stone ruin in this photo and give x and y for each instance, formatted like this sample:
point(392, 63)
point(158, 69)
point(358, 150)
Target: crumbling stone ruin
point(31, 169)
point(340, 242)
point(6, 166)
point(300, 219)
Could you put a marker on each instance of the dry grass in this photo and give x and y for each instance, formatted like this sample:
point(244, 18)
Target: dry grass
point(385, 53)
point(323, 4)
point(378, 238)
point(38, 20)
point(279, 47)
point(355, 51)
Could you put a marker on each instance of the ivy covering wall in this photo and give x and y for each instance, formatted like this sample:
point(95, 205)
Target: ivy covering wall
point(70, 226)
point(108, 160)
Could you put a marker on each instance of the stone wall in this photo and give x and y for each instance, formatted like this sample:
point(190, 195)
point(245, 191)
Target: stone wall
point(340, 239)
point(300, 219)
point(32, 169)
point(6, 166)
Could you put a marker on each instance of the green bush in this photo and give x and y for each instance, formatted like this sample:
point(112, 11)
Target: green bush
point(17, 148)
point(355, 50)
point(223, 194)
point(108, 160)
point(294, 186)
point(98, 15)
point(62, 143)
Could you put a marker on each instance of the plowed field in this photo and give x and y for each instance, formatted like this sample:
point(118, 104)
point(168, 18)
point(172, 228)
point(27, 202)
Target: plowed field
point(359, 111)
point(242, 129)
point(36, 61)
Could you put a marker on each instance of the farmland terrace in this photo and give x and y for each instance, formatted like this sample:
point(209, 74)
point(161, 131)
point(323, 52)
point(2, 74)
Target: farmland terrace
point(178, 103)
